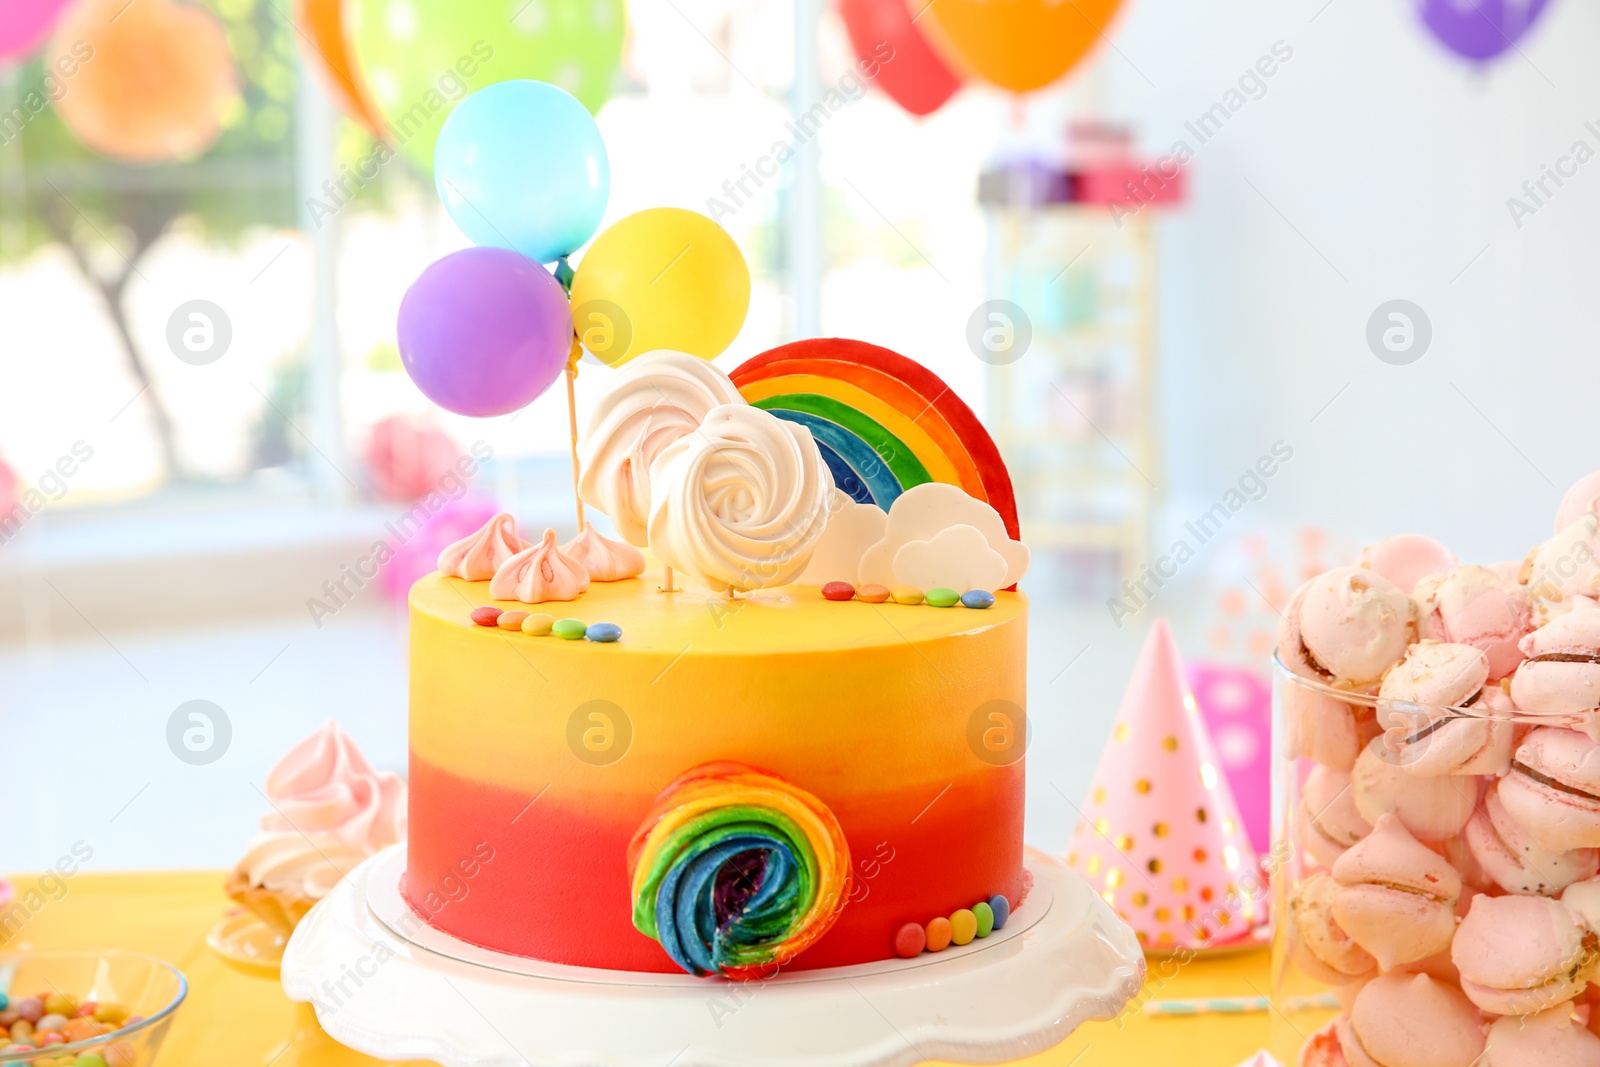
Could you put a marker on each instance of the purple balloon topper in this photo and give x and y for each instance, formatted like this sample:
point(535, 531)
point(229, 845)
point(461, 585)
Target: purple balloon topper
point(1480, 29)
point(484, 331)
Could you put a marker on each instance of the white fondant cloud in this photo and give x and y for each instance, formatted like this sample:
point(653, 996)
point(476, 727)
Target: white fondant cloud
point(852, 529)
point(958, 557)
point(921, 513)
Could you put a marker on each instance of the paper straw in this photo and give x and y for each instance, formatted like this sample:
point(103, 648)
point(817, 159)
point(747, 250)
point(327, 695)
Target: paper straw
point(1237, 1005)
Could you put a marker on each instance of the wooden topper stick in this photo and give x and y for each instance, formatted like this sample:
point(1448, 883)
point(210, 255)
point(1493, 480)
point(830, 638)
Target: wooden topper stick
point(572, 420)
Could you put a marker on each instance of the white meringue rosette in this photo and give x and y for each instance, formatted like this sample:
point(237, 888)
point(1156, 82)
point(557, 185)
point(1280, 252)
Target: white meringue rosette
point(740, 504)
point(657, 399)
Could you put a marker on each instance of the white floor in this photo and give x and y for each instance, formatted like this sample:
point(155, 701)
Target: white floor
point(83, 726)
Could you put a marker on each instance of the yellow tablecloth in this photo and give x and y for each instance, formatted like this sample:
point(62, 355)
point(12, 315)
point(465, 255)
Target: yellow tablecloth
point(241, 1021)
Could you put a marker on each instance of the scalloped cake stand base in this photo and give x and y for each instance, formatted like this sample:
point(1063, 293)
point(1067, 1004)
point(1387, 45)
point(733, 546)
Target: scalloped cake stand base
point(388, 985)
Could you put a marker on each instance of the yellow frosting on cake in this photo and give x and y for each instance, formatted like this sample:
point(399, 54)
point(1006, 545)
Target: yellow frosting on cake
point(851, 697)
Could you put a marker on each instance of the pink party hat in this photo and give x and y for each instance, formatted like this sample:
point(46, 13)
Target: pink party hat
point(1160, 836)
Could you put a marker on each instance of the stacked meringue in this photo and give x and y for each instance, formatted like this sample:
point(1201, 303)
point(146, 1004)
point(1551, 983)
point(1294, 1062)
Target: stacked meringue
point(1445, 720)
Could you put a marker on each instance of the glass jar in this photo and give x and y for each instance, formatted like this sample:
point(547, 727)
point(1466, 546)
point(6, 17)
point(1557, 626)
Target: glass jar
point(1342, 762)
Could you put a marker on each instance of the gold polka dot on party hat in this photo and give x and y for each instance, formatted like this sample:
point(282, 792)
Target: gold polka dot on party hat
point(1223, 918)
point(1203, 934)
point(1188, 913)
point(1142, 936)
point(1180, 884)
point(1163, 915)
point(1113, 878)
point(1124, 842)
point(1208, 776)
point(1142, 786)
point(1092, 865)
point(1230, 858)
point(1164, 938)
point(1072, 859)
point(1100, 794)
point(1155, 866)
point(1109, 897)
point(1228, 826)
point(1200, 813)
point(1206, 893)
point(1170, 744)
point(1121, 733)
point(1140, 899)
point(1199, 855)
point(1102, 827)
point(1159, 829)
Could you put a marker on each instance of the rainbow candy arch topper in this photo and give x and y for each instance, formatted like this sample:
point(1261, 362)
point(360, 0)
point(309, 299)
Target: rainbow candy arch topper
point(736, 871)
point(884, 423)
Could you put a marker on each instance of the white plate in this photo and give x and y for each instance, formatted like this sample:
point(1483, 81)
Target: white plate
point(398, 989)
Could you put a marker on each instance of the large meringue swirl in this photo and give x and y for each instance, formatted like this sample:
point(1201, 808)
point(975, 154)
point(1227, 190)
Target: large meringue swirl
point(656, 399)
point(324, 787)
point(742, 503)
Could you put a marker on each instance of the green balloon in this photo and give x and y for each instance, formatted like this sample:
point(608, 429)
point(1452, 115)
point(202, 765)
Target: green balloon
point(419, 58)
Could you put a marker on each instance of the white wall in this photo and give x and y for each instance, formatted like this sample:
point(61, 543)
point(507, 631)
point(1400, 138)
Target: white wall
point(1393, 160)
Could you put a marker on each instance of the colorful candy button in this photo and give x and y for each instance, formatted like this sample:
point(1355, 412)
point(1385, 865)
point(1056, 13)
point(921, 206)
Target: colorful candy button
point(839, 591)
point(938, 933)
point(1002, 910)
point(486, 616)
point(603, 632)
point(910, 940)
point(89, 1059)
point(943, 597)
point(511, 620)
point(963, 927)
point(570, 629)
point(538, 625)
point(977, 598)
point(906, 594)
point(873, 594)
point(985, 916)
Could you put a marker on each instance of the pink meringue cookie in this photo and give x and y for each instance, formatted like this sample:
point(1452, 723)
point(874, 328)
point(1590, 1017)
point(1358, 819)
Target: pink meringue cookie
point(1581, 498)
point(1563, 574)
point(1407, 558)
point(1582, 900)
point(325, 786)
point(1321, 727)
point(1475, 606)
point(539, 574)
point(1322, 1048)
point(1551, 1038)
point(1329, 821)
point(1510, 857)
point(1428, 739)
point(605, 560)
point(1553, 788)
point(1519, 955)
point(1346, 627)
point(1431, 809)
point(1396, 898)
point(477, 557)
point(1561, 674)
point(1410, 1020)
point(1321, 947)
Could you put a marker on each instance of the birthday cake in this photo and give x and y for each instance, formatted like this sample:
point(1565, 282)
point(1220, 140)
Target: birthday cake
point(778, 721)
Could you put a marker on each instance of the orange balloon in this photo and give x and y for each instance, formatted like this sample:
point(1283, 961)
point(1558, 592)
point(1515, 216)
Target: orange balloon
point(1019, 45)
point(321, 25)
point(150, 79)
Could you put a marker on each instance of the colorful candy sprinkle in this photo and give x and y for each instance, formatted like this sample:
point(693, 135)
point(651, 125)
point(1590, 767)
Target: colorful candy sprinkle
point(963, 926)
point(486, 616)
point(906, 594)
point(1002, 910)
point(839, 591)
point(910, 940)
point(30, 1008)
point(511, 620)
point(873, 594)
point(569, 629)
point(977, 598)
point(89, 1059)
point(943, 597)
point(538, 625)
point(604, 632)
point(939, 934)
point(985, 917)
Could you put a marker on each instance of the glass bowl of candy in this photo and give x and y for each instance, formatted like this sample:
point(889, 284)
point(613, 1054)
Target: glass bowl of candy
point(86, 1009)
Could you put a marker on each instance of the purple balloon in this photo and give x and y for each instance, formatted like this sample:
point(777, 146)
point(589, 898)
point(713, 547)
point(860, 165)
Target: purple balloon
point(1480, 29)
point(484, 331)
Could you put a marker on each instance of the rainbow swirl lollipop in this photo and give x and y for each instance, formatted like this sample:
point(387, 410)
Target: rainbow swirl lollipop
point(736, 871)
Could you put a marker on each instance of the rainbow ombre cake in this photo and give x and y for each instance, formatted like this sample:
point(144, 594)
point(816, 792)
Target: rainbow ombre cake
point(737, 774)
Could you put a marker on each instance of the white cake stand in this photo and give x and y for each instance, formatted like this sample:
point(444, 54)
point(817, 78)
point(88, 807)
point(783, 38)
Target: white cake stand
point(386, 984)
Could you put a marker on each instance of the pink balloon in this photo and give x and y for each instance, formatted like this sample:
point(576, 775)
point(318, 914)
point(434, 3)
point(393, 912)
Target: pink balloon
point(24, 24)
point(8, 489)
point(408, 458)
point(418, 554)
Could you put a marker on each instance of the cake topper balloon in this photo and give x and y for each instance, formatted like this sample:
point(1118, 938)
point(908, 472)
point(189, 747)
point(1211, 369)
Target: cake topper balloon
point(1019, 45)
point(1480, 30)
